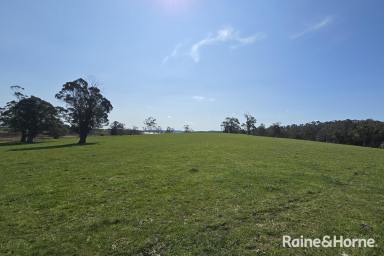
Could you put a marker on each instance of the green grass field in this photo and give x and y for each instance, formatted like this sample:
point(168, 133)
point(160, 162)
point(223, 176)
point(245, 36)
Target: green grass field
point(187, 194)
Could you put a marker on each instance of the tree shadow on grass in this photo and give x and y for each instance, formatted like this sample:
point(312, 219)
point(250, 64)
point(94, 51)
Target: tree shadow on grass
point(53, 147)
point(18, 143)
point(10, 143)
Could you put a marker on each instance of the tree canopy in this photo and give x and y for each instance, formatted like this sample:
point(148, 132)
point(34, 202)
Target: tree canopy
point(30, 116)
point(87, 107)
point(169, 130)
point(369, 133)
point(187, 128)
point(117, 128)
point(150, 124)
point(250, 124)
point(231, 125)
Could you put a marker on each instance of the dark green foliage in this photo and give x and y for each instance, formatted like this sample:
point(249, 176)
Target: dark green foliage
point(58, 130)
point(132, 131)
point(261, 130)
point(31, 116)
point(187, 128)
point(87, 107)
point(368, 133)
point(250, 124)
point(169, 130)
point(117, 128)
point(231, 125)
point(150, 124)
point(274, 130)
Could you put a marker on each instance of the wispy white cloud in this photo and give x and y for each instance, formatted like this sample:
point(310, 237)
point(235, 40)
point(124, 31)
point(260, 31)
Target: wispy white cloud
point(202, 98)
point(225, 35)
point(314, 27)
point(174, 53)
point(198, 98)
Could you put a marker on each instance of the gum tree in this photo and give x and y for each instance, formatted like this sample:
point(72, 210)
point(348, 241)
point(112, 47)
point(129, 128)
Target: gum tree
point(250, 124)
point(30, 116)
point(150, 124)
point(87, 108)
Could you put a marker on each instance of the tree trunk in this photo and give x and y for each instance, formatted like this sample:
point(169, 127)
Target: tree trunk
point(83, 138)
point(29, 139)
point(23, 138)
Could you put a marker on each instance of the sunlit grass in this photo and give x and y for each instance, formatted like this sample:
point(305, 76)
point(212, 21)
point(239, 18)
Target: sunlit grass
point(187, 194)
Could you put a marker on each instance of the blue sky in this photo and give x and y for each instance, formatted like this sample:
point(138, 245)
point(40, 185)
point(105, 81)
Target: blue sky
point(198, 61)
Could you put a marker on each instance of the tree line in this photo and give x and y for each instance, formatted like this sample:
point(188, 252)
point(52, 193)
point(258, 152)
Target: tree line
point(86, 111)
point(367, 133)
point(150, 126)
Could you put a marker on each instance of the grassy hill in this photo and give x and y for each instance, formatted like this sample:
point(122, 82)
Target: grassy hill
point(187, 194)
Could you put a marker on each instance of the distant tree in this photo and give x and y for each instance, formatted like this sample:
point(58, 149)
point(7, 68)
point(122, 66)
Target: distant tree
point(117, 128)
point(231, 125)
point(87, 107)
point(275, 130)
point(18, 92)
point(58, 128)
point(30, 116)
point(150, 124)
point(169, 130)
point(261, 130)
point(250, 124)
point(187, 128)
point(159, 129)
point(369, 133)
point(4, 111)
point(133, 131)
